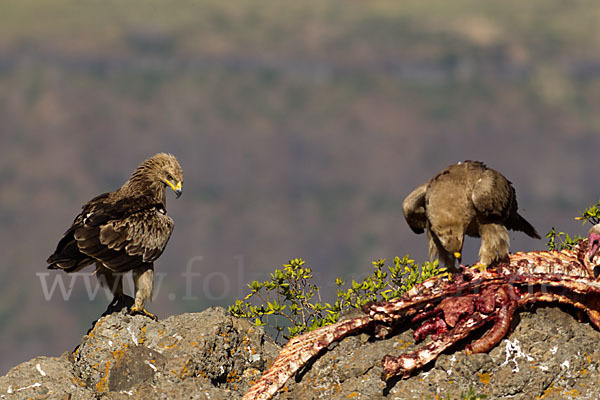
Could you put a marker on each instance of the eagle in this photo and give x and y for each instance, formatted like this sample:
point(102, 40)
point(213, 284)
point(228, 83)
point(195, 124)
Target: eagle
point(466, 198)
point(124, 230)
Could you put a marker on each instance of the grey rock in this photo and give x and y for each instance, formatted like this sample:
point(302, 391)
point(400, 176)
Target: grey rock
point(207, 355)
point(549, 354)
point(138, 364)
point(44, 378)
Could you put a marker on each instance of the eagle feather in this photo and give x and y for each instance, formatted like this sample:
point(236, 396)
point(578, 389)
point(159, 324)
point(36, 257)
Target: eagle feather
point(471, 199)
point(124, 230)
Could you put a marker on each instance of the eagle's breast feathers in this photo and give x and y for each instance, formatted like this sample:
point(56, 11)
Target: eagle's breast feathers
point(126, 228)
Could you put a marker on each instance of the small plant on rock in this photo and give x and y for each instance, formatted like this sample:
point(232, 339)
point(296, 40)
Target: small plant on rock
point(562, 241)
point(291, 304)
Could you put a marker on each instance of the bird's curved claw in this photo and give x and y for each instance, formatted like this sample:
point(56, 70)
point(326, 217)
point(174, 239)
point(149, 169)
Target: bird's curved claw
point(446, 274)
point(142, 311)
point(481, 267)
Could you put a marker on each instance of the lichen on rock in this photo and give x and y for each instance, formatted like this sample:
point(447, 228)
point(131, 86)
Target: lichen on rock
point(549, 354)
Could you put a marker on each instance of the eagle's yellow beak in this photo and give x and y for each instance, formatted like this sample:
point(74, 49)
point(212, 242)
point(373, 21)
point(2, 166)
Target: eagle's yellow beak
point(176, 187)
point(457, 254)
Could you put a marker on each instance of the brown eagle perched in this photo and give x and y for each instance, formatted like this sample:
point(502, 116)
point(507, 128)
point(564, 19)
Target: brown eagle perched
point(471, 199)
point(125, 230)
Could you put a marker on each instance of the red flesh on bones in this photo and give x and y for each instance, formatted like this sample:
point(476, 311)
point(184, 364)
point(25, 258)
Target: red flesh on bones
point(450, 310)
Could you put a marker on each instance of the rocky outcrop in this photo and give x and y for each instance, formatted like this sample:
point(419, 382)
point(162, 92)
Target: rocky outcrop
point(211, 355)
point(207, 355)
point(549, 355)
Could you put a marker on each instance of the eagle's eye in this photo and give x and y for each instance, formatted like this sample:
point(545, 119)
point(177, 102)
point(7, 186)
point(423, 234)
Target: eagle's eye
point(170, 177)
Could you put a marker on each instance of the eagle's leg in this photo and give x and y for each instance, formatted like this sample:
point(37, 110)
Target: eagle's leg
point(494, 245)
point(113, 281)
point(144, 282)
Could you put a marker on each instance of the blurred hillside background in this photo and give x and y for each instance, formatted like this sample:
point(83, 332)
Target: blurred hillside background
point(300, 127)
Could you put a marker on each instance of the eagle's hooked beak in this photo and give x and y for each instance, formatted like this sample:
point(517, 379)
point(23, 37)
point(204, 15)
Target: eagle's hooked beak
point(176, 187)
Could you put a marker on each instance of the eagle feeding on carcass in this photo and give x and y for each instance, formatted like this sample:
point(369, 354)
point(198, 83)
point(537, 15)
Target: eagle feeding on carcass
point(125, 230)
point(467, 198)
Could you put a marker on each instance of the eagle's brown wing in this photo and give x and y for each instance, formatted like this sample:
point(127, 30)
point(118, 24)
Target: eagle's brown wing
point(495, 200)
point(492, 196)
point(67, 255)
point(122, 235)
point(413, 207)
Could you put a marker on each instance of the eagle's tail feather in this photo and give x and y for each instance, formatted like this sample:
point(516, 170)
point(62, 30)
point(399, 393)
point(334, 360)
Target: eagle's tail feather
point(520, 224)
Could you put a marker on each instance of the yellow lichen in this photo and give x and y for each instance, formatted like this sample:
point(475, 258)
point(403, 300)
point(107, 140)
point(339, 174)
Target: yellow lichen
point(402, 345)
point(142, 337)
point(169, 346)
point(554, 390)
point(232, 376)
point(484, 377)
point(337, 387)
point(102, 385)
point(98, 323)
point(78, 381)
point(186, 371)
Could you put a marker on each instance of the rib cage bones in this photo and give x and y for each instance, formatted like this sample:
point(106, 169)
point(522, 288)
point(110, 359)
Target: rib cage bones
point(486, 297)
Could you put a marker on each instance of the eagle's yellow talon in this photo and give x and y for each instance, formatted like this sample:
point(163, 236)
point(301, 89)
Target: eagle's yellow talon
point(447, 275)
point(481, 267)
point(142, 311)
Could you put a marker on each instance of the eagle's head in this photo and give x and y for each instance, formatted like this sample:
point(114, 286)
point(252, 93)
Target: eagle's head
point(157, 172)
point(170, 173)
point(452, 242)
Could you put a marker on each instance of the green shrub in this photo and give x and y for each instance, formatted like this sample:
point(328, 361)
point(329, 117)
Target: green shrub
point(591, 214)
point(291, 304)
point(562, 241)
